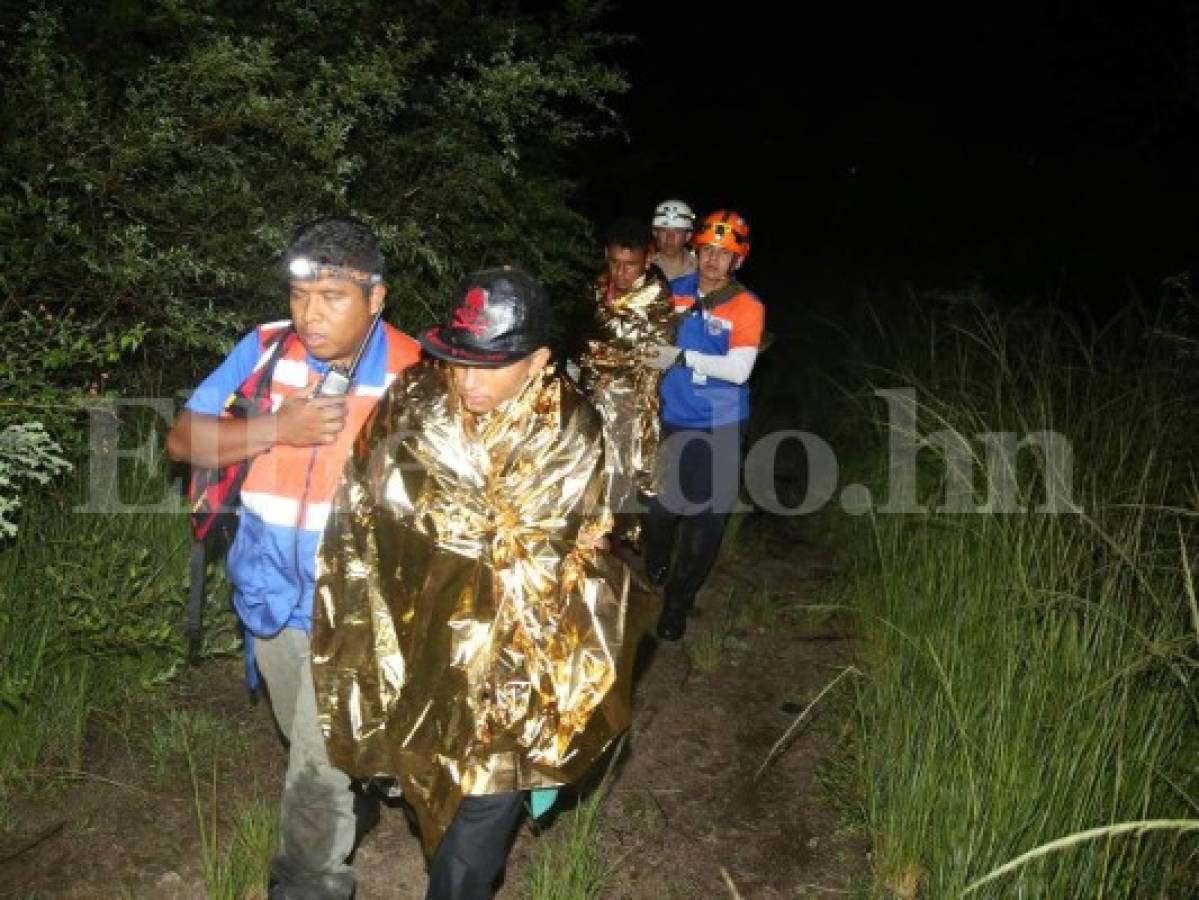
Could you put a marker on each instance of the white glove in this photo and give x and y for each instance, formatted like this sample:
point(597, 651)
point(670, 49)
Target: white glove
point(661, 356)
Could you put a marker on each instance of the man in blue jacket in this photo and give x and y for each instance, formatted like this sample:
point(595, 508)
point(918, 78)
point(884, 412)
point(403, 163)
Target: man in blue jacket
point(297, 452)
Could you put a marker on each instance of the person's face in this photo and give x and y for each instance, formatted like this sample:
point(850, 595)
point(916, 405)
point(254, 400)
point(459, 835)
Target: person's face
point(483, 389)
point(671, 241)
point(333, 315)
point(625, 265)
point(716, 264)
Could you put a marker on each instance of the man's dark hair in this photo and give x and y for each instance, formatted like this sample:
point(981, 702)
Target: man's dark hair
point(338, 241)
point(628, 232)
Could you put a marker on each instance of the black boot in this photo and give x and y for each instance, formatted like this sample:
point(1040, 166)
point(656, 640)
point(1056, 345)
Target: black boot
point(657, 573)
point(366, 813)
point(672, 624)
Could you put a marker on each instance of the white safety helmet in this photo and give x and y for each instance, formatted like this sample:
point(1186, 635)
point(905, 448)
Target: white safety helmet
point(673, 214)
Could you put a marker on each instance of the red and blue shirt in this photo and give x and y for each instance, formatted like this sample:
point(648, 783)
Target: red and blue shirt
point(689, 398)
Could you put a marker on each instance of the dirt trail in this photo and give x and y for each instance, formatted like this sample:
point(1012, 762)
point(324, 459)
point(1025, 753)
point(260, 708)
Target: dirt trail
point(683, 811)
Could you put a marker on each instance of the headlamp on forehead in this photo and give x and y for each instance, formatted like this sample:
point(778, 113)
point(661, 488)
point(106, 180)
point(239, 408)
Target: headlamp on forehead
point(723, 230)
point(301, 268)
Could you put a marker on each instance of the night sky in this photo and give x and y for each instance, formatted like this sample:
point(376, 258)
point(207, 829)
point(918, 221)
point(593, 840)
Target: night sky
point(1038, 149)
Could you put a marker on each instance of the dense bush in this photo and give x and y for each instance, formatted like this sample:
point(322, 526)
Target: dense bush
point(156, 156)
point(158, 153)
point(27, 454)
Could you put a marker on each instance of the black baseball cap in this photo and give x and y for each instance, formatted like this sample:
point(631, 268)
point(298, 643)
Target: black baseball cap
point(500, 316)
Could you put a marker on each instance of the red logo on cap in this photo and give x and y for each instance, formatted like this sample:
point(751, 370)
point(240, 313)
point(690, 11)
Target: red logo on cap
point(471, 315)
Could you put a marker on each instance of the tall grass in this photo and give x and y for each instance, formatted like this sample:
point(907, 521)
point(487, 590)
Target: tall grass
point(570, 860)
point(90, 605)
point(1032, 674)
point(236, 868)
point(571, 863)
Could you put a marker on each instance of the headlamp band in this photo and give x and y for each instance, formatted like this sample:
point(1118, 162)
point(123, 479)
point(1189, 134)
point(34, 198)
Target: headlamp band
point(301, 268)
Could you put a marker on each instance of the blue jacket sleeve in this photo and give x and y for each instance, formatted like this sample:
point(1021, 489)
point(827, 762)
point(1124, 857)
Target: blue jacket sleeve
point(209, 398)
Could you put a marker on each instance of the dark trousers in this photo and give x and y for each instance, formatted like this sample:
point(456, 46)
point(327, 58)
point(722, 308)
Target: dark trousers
point(702, 470)
point(471, 856)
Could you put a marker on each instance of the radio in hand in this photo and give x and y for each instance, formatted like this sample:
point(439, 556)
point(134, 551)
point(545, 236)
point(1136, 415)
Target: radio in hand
point(338, 379)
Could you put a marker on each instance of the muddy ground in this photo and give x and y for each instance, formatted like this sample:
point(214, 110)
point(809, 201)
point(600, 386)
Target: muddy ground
point(684, 816)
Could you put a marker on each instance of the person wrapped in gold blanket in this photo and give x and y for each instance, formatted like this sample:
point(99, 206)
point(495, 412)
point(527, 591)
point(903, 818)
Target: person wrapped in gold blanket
point(471, 638)
point(633, 313)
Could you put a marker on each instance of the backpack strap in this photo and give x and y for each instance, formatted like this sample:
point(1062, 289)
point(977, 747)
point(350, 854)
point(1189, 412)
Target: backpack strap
point(258, 386)
point(720, 295)
point(213, 492)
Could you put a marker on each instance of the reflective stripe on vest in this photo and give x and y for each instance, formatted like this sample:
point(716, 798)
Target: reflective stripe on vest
point(293, 486)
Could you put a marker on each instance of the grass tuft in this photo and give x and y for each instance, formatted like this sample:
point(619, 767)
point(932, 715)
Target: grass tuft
point(570, 863)
point(234, 869)
point(199, 736)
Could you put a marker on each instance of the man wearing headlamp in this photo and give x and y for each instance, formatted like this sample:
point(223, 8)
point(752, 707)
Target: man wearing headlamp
point(296, 454)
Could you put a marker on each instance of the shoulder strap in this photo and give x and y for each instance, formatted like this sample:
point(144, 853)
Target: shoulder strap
point(213, 490)
point(258, 385)
point(728, 292)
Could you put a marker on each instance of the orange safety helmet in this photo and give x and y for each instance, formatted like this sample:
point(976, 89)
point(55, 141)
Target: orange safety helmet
point(725, 228)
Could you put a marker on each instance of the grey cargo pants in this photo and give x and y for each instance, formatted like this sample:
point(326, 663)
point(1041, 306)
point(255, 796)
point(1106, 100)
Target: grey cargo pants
point(317, 817)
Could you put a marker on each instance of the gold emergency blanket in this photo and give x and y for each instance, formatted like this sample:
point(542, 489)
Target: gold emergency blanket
point(467, 637)
point(623, 388)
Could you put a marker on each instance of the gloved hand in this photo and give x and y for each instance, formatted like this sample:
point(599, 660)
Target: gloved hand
point(661, 356)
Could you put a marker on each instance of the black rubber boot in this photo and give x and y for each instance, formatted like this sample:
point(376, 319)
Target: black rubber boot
point(366, 813)
point(657, 573)
point(672, 624)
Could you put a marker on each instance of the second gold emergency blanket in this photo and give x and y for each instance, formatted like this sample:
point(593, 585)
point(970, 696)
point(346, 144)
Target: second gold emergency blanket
point(622, 387)
point(462, 640)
